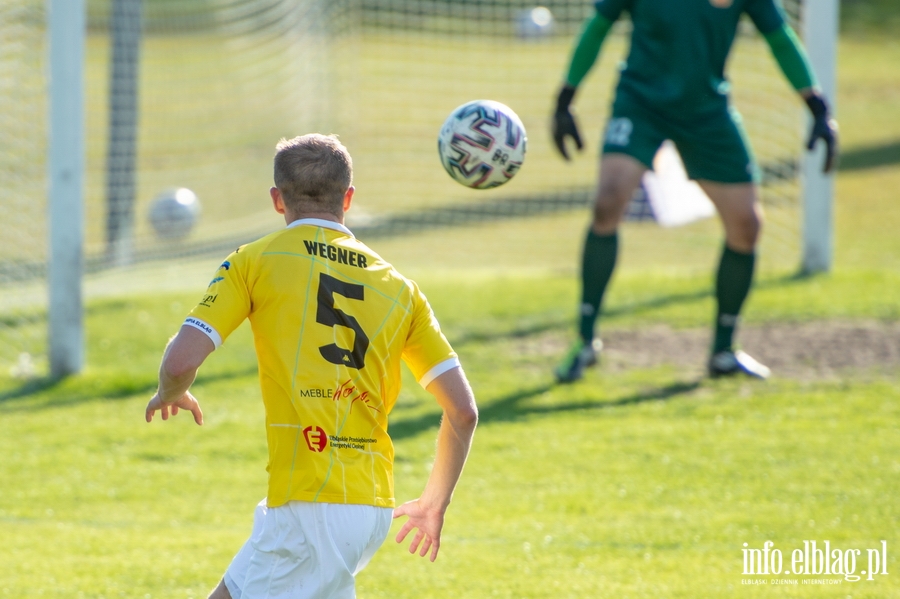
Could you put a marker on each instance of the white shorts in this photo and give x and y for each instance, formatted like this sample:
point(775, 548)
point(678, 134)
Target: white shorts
point(306, 550)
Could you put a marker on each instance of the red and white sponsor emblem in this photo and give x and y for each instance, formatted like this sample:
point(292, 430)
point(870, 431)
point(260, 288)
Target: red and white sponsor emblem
point(316, 439)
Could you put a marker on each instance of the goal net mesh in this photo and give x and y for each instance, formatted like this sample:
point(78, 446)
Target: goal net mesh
point(220, 81)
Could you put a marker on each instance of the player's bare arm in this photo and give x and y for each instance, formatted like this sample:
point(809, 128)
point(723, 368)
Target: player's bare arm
point(426, 513)
point(181, 360)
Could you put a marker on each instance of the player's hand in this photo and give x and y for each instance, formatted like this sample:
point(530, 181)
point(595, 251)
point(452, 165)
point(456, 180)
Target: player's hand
point(825, 128)
point(564, 122)
point(185, 402)
point(429, 523)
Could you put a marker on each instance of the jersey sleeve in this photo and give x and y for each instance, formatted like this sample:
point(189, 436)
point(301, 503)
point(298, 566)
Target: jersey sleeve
point(612, 9)
point(427, 352)
point(226, 302)
point(767, 15)
point(587, 49)
point(791, 57)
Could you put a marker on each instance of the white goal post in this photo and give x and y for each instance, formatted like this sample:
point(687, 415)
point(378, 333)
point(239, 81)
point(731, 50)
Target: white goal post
point(67, 21)
point(820, 32)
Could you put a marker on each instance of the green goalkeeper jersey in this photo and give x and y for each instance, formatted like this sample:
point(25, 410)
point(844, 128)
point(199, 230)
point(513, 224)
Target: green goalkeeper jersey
point(679, 48)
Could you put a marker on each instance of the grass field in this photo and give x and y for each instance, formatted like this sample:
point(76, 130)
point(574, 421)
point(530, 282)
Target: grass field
point(643, 481)
point(638, 482)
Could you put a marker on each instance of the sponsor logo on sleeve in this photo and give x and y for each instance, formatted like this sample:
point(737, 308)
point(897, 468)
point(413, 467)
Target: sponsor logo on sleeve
point(200, 325)
point(208, 300)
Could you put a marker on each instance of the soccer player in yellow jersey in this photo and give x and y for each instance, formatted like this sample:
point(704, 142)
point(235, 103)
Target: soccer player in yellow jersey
point(331, 322)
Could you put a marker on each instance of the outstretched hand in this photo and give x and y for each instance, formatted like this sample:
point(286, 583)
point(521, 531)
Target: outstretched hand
point(564, 122)
point(429, 523)
point(825, 128)
point(185, 402)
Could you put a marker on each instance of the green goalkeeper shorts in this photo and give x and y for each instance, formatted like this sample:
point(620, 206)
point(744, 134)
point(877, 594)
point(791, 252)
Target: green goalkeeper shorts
point(713, 147)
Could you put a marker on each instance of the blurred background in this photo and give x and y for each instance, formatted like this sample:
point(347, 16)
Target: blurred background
point(194, 94)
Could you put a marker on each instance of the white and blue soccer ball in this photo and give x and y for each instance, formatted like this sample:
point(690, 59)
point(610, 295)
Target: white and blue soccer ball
point(174, 212)
point(534, 23)
point(482, 144)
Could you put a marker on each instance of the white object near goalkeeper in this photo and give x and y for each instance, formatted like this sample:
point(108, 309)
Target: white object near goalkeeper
point(675, 199)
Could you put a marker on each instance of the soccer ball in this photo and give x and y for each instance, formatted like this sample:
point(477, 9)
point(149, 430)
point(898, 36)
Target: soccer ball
point(482, 144)
point(174, 212)
point(534, 23)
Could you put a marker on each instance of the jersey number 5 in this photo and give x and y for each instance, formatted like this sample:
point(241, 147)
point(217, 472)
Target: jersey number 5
point(330, 316)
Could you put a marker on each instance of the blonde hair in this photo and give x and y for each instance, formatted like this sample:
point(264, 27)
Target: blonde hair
point(313, 172)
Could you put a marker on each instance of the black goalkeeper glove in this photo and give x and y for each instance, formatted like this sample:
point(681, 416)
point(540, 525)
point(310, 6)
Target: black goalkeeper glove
point(824, 128)
point(564, 123)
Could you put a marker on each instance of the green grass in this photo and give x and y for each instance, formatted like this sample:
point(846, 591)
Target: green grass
point(867, 18)
point(636, 483)
point(642, 483)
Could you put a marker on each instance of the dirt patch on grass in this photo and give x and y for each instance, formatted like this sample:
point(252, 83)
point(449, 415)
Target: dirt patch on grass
point(826, 349)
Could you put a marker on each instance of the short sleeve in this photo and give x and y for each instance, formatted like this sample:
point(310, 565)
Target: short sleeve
point(767, 15)
point(226, 302)
point(612, 9)
point(427, 349)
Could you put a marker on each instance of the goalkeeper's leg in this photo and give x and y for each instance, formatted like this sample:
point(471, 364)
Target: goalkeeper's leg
point(739, 208)
point(620, 175)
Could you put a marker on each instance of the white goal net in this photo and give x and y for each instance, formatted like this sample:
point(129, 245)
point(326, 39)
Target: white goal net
point(23, 186)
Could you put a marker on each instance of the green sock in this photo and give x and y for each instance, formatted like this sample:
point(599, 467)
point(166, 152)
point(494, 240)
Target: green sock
point(597, 266)
point(733, 281)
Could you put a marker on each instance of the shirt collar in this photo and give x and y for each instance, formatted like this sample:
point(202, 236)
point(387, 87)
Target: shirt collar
point(320, 222)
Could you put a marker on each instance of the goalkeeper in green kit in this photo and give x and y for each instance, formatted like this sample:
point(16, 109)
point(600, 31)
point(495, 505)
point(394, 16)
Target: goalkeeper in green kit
point(673, 87)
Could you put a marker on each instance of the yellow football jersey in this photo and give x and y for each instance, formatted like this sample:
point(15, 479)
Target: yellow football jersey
point(331, 321)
